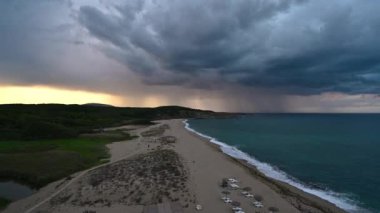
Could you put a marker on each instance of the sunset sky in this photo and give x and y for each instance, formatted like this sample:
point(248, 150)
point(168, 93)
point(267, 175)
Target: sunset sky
point(241, 55)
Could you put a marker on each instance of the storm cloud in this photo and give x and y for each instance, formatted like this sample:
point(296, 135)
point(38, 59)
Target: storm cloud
point(41, 43)
point(294, 47)
point(241, 55)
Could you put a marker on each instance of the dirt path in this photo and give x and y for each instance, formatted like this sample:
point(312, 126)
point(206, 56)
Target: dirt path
point(79, 176)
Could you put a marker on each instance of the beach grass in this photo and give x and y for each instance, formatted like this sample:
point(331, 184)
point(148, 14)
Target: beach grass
point(37, 163)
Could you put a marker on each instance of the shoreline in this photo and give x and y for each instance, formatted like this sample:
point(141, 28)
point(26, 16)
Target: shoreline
point(293, 194)
point(205, 165)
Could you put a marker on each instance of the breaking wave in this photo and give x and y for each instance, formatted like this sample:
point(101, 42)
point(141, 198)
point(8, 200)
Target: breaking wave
point(339, 199)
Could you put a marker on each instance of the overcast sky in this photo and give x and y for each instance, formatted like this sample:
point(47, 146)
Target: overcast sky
point(240, 55)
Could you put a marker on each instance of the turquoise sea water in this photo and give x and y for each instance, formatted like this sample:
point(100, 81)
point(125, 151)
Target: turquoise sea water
point(334, 156)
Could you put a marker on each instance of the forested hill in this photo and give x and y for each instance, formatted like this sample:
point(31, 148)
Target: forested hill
point(49, 121)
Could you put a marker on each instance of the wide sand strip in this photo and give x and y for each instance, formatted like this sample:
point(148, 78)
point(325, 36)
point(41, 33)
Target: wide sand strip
point(208, 166)
point(200, 165)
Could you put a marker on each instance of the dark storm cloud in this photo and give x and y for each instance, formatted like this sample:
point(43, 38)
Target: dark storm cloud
point(41, 43)
point(274, 46)
point(301, 47)
point(29, 31)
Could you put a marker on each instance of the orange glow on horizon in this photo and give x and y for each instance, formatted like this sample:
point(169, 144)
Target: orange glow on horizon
point(45, 94)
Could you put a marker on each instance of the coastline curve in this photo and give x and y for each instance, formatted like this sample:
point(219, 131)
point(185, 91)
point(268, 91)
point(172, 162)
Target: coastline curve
point(339, 199)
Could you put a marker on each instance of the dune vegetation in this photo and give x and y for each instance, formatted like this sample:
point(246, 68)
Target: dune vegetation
point(46, 142)
point(39, 162)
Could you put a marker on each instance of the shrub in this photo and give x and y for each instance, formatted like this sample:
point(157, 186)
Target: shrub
point(258, 198)
point(273, 209)
point(45, 130)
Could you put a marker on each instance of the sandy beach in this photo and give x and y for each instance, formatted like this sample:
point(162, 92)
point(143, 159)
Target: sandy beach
point(168, 164)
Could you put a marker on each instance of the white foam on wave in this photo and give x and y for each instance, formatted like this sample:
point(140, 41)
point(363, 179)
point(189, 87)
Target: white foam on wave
point(339, 199)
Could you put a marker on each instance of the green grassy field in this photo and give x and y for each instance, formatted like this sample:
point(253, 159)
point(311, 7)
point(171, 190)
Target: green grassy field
point(37, 163)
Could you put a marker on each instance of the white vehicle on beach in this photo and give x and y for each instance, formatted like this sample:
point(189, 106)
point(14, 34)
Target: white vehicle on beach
point(227, 200)
point(258, 204)
point(244, 193)
point(234, 186)
point(237, 209)
point(248, 195)
point(233, 180)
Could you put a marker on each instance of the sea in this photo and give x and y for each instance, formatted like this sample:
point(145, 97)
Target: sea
point(333, 156)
